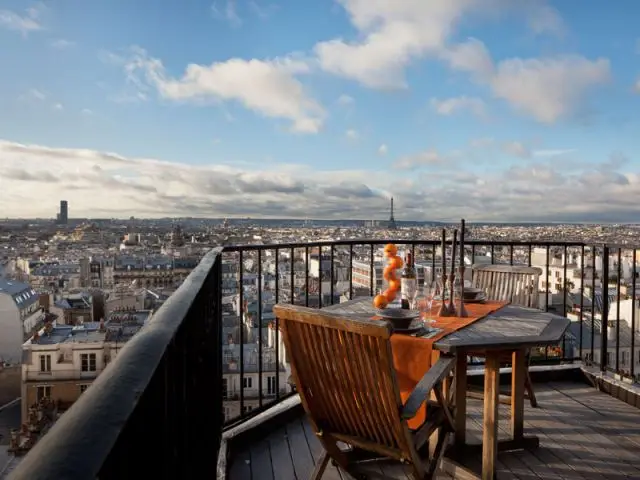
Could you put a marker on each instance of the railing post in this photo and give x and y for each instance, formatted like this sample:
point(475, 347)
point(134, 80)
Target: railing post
point(604, 329)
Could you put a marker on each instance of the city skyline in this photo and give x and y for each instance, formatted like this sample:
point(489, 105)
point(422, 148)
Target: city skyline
point(491, 111)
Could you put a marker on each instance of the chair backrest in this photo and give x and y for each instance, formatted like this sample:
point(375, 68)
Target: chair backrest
point(343, 370)
point(513, 283)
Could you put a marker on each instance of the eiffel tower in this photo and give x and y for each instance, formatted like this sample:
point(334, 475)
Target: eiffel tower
point(392, 221)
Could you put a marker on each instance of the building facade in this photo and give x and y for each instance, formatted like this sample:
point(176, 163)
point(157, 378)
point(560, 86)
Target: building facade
point(20, 313)
point(61, 361)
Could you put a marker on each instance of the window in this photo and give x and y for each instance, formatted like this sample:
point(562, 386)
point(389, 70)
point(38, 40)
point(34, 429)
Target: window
point(225, 388)
point(625, 357)
point(247, 382)
point(83, 388)
point(609, 358)
point(271, 385)
point(43, 392)
point(88, 361)
point(247, 408)
point(45, 363)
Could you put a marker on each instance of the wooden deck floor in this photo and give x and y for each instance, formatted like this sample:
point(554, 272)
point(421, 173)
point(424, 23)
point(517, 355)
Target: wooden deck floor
point(584, 434)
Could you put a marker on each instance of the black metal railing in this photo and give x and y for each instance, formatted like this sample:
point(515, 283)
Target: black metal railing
point(217, 334)
point(157, 407)
point(619, 329)
point(294, 273)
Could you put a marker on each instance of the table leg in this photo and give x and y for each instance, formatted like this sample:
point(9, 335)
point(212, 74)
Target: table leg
point(461, 398)
point(490, 420)
point(518, 376)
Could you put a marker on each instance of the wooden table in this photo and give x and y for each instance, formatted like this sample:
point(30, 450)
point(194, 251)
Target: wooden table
point(510, 330)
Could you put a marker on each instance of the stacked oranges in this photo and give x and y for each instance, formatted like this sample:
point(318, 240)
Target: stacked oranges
point(394, 263)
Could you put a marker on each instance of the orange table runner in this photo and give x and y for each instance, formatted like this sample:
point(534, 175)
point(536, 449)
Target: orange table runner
point(413, 356)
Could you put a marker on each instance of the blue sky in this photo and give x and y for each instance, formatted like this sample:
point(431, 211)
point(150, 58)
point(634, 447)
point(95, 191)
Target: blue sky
point(491, 110)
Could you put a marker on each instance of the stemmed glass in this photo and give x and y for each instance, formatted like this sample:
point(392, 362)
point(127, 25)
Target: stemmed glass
point(456, 286)
point(426, 301)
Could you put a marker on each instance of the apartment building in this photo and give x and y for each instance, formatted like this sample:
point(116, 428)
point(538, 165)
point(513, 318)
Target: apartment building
point(153, 271)
point(20, 312)
point(260, 367)
point(97, 272)
point(61, 361)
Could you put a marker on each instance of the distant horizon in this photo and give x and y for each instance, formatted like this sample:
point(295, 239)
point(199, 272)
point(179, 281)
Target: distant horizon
point(235, 219)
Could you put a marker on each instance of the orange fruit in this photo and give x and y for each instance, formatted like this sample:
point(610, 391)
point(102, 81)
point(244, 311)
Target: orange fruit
point(390, 294)
point(396, 262)
point(389, 273)
point(394, 284)
point(390, 250)
point(380, 301)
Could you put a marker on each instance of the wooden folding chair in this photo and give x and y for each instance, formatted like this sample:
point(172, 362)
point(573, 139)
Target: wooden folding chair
point(516, 284)
point(344, 373)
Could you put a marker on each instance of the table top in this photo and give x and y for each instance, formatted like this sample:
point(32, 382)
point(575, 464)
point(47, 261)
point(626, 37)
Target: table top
point(510, 327)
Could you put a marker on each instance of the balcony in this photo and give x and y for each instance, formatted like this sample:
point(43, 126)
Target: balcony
point(164, 390)
point(58, 375)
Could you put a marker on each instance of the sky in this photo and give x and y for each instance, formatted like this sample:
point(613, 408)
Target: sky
point(488, 110)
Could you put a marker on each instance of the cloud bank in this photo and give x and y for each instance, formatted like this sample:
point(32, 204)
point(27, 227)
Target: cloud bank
point(107, 184)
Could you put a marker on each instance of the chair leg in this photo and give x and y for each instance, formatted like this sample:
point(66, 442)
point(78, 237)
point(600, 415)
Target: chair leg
point(332, 452)
point(321, 466)
point(418, 468)
point(528, 385)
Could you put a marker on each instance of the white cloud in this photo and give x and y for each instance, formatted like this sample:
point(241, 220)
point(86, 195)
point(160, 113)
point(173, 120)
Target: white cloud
point(393, 34)
point(516, 149)
point(553, 152)
point(226, 10)
point(57, 106)
point(550, 88)
point(33, 94)
point(513, 148)
point(345, 100)
point(383, 149)
point(544, 19)
point(470, 56)
point(268, 87)
point(422, 159)
point(104, 184)
point(262, 11)
point(86, 111)
point(450, 106)
point(61, 43)
point(352, 134)
point(546, 88)
point(23, 23)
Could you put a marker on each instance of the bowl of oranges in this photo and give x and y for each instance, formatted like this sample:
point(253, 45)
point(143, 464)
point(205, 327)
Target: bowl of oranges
point(401, 319)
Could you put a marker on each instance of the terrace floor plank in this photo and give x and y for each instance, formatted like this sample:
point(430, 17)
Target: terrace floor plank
point(584, 435)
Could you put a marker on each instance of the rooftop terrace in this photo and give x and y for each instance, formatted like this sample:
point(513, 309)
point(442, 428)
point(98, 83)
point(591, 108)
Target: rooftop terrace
point(118, 327)
point(165, 390)
point(583, 434)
